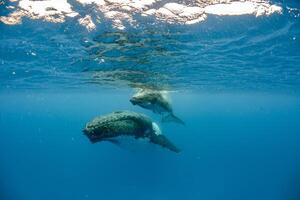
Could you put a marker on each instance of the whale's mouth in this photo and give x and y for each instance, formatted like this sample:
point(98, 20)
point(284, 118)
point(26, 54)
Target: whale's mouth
point(93, 138)
point(85, 132)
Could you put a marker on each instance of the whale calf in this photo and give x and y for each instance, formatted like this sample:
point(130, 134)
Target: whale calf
point(126, 123)
point(157, 102)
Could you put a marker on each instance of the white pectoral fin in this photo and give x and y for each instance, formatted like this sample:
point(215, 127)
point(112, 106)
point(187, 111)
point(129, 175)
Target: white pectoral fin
point(156, 128)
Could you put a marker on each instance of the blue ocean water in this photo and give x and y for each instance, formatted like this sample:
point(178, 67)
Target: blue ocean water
point(235, 81)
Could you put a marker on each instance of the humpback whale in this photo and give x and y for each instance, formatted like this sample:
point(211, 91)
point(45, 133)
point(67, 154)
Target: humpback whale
point(126, 123)
point(157, 102)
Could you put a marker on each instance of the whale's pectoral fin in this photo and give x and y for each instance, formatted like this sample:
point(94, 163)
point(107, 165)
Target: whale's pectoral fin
point(164, 142)
point(172, 118)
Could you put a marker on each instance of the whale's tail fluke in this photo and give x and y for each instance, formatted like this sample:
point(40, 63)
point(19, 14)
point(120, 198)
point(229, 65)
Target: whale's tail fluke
point(172, 118)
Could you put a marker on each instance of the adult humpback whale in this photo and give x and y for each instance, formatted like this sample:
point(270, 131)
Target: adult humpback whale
point(126, 123)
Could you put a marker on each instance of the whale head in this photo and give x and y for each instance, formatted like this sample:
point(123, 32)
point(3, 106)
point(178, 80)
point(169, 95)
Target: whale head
point(135, 101)
point(91, 136)
point(142, 101)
